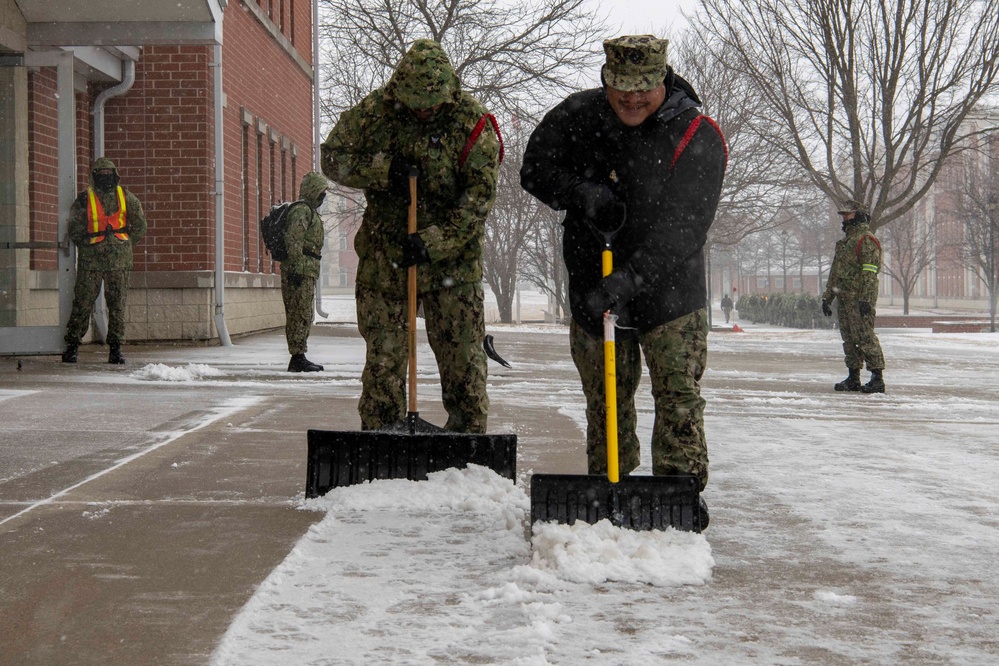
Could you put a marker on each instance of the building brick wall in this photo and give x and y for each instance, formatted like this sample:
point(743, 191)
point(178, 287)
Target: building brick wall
point(43, 149)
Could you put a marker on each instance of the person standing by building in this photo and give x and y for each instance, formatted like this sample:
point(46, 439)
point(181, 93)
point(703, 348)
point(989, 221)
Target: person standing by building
point(303, 239)
point(105, 221)
point(420, 121)
point(726, 306)
point(636, 156)
point(853, 282)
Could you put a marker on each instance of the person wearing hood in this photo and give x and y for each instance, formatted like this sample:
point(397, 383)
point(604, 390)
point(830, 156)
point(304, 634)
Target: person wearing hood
point(105, 221)
point(420, 122)
point(303, 238)
point(853, 280)
point(634, 164)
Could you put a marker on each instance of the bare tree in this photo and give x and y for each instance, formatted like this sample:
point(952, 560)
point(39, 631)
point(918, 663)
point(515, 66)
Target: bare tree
point(869, 98)
point(910, 243)
point(760, 179)
point(515, 56)
point(978, 208)
point(543, 264)
point(513, 222)
point(512, 56)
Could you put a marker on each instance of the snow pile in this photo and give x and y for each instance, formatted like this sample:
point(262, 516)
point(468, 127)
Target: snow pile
point(441, 570)
point(191, 372)
point(598, 553)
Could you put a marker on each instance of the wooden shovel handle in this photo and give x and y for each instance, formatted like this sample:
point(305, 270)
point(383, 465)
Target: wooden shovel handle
point(411, 339)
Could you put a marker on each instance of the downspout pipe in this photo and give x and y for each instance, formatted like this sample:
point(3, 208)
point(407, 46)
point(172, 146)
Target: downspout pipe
point(317, 135)
point(220, 326)
point(127, 80)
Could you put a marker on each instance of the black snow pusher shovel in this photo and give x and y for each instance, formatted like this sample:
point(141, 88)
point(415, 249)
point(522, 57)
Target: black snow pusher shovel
point(634, 502)
point(411, 449)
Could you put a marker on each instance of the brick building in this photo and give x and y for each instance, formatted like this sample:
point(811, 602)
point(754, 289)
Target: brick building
point(206, 107)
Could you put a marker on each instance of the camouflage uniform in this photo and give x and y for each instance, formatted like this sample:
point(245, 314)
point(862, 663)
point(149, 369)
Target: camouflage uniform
point(853, 279)
point(108, 260)
point(667, 173)
point(453, 201)
point(676, 354)
point(299, 271)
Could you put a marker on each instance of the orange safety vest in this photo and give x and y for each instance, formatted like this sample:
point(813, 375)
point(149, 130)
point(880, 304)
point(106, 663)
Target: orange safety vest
point(98, 222)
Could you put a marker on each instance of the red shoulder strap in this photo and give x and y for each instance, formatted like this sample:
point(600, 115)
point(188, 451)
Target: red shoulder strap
point(689, 135)
point(861, 242)
point(479, 126)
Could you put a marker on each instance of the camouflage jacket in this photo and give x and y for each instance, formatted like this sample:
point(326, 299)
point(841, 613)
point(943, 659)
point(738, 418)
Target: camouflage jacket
point(305, 234)
point(853, 275)
point(112, 253)
point(453, 198)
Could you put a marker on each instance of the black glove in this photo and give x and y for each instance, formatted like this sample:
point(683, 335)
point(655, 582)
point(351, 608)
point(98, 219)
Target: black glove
point(865, 308)
point(399, 171)
point(296, 280)
point(599, 205)
point(614, 290)
point(414, 251)
point(826, 308)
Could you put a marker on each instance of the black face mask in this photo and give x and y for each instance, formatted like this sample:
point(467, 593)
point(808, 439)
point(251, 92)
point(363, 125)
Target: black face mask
point(320, 200)
point(105, 181)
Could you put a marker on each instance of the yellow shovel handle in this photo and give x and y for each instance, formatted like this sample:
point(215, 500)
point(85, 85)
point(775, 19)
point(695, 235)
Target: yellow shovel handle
point(610, 380)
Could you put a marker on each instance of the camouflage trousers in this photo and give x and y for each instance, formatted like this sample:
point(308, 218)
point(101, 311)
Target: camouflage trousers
point(860, 342)
point(85, 291)
point(676, 354)
point(298, 310)
point(456, 328)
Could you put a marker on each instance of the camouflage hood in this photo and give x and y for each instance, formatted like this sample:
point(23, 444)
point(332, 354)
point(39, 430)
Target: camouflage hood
point(313, 188)
point(424, 77)
point(103, 163)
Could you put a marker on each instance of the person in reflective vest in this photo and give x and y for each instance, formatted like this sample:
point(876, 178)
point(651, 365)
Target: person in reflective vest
point(105, 221)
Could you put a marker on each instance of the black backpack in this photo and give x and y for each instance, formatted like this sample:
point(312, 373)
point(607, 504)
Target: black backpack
point(273, 227)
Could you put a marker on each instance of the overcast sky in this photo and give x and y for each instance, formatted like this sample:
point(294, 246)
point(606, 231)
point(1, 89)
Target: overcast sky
point(635, 17)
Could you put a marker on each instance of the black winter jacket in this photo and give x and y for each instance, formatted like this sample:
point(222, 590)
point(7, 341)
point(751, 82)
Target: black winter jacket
point(671, 196)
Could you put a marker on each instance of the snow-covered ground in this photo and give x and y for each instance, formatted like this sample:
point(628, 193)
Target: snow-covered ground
point(845, 529)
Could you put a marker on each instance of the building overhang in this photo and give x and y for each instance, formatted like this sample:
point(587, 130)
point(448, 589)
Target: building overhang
point(53, 23)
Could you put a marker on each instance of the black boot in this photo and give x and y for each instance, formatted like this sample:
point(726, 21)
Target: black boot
point(299, 363)
point(851, 383)
point(115, 357)
point(877, 383)
point(69, 356)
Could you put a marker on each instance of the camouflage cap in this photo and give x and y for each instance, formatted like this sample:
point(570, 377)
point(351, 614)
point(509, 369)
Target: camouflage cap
point(424, 77)
point(851, 206)
point(635, 62)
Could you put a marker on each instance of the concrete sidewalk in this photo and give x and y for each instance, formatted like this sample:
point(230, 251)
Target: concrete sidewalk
point(137, 517)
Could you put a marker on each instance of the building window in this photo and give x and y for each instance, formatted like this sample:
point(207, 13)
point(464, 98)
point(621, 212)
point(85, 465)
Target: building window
point(343, 240)
point(260, 191)
point(273, 165)
point(284, 174)
point(343, 278)
point(245, 184)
